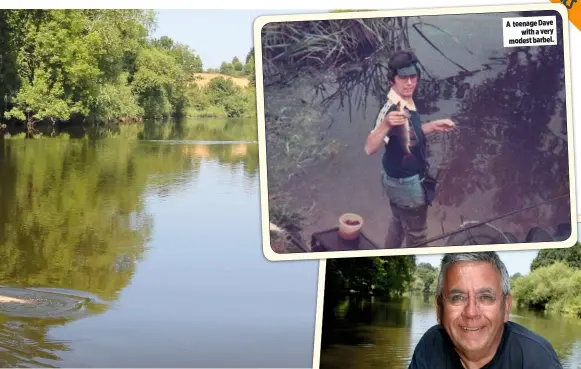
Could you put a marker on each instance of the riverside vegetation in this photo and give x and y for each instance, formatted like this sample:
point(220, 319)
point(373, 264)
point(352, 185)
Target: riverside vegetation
point(552, 286)
point(103, 66)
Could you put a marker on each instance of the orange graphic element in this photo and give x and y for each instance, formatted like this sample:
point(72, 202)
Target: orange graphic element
point(573, 10)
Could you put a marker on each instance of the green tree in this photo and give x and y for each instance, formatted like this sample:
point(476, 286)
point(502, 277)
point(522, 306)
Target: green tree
point(67, 65)
point(65, 59)
point(237, 64)
point(9, 78)
point(122, 33)
point(219, 89)
point(183, 54)
point(159, 83)
point(425, 276)
point(114, 100)
point(249, 55)
point(249, 69)
point(554, 288)
point(570, 256)
point(236, 106)
point(226, 68)
point(385, 275)
point(197, 98)
point(58, 67)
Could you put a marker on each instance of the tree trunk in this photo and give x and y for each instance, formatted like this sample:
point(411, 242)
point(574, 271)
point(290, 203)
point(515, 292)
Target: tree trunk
point(29, 128)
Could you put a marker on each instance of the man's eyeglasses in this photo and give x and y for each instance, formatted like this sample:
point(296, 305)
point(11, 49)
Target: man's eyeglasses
point(461, 299)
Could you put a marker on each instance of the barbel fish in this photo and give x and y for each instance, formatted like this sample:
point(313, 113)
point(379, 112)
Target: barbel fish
point(403, 132)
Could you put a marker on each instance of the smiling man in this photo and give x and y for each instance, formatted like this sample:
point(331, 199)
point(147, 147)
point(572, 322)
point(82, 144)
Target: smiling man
point(473, 304)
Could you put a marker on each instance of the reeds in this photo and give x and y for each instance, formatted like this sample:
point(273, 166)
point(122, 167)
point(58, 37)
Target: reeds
point(337, 44)
point(354, 51)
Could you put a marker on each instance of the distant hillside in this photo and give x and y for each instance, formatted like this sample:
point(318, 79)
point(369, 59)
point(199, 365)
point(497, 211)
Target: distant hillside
point(202, 79)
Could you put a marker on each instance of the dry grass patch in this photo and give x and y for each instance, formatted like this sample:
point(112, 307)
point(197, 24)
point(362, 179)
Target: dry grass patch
point(202, 79)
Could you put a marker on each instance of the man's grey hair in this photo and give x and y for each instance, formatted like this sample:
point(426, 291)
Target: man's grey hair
point(488, 257)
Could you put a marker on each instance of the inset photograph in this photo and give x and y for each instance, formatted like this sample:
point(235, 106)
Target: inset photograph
point(517, 310)
point(415, 132)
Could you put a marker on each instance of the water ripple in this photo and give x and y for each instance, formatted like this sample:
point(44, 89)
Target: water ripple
point(45, 303)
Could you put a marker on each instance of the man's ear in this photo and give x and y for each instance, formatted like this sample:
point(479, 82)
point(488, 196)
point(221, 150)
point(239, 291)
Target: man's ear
point(507, 307)
point(438, 308)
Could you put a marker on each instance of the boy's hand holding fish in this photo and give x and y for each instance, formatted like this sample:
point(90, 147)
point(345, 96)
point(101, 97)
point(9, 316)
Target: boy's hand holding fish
point(391, 120)
point(394, 119)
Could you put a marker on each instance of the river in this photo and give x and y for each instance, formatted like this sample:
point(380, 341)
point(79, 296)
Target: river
point(378, 334)
point(149, 242)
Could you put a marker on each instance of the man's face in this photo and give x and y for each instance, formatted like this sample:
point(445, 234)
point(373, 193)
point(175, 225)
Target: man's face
point(473, 312)
point(405, 85)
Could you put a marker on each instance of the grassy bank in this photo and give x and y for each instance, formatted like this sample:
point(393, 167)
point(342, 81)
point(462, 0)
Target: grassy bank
point(221, 96)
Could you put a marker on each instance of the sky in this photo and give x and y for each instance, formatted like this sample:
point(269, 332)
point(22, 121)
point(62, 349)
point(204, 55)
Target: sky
point(215, 35)
point(219, 35)
point(515, 261)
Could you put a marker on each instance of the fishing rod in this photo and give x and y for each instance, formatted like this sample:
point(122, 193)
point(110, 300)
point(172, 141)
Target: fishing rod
point(462, 229)
point(437, 49)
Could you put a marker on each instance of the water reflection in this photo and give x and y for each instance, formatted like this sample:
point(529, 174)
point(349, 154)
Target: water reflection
point(74, 214)
point(203, 129)
point(563, 332)
point(509, 138)
point(512, 135)
point(384, 334)
point(25, 343)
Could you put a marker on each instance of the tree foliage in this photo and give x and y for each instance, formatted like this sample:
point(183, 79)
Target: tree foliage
point(425, 278)
point(99, 65)
point(237, 102)
point(570, 256)
point(553, 288)
point(385, 276)
point(238, 69)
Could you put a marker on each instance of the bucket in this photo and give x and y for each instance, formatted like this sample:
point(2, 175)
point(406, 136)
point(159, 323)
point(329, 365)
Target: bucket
point(350, 226)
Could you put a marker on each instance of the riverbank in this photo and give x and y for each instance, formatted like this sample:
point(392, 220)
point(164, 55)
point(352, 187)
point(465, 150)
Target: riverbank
point(221, 96)
point(551, 289)
point(132, 77)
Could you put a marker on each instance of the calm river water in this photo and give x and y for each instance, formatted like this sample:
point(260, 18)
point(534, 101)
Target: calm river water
point(158, 236)
point(384, 334)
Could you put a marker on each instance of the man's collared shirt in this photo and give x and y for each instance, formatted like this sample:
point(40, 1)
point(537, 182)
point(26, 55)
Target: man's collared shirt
point(392, 99)
point(519, 348)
